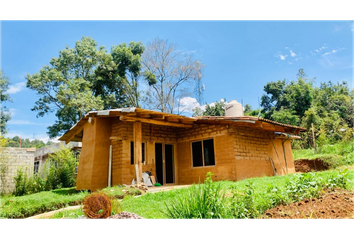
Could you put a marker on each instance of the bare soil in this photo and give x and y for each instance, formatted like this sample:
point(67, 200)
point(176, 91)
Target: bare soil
point(313, 165)
point(332, 205)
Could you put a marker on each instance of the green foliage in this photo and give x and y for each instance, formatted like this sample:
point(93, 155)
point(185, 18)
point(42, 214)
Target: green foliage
point(86, 78)
point(25, 143)
point(303, 186)
point(29, 205)
point(4, 97)
point(328, 107)
point(61, 172)
point(215, 109)
point(58, 172)
point(243, 203)
point(4, 165)
point(201, 201)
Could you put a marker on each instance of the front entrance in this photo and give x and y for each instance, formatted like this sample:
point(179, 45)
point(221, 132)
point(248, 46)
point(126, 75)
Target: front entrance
point(164, 163)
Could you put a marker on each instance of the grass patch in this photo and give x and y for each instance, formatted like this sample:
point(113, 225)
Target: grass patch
point(339, 154)
point(33, 204)
point(29, 205)
point(245, 199)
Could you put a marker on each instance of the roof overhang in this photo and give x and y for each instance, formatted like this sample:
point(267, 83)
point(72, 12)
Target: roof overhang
point(178, 121)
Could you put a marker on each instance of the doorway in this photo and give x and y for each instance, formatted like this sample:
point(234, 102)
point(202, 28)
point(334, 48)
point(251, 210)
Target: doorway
point(164, 163)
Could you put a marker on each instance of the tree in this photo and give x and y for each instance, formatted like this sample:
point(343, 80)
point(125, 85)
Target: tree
point(128, 62)
point(4, 97)
point(86, 78)
point(294, 97)
point(213, 109)
point(173, 70)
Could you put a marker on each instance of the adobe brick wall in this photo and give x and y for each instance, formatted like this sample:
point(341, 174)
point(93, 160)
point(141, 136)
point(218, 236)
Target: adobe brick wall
point(240, 152)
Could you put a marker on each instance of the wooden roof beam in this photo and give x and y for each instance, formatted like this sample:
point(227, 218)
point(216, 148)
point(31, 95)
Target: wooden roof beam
point(156, 122)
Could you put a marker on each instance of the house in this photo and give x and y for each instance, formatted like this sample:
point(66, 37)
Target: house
point(118, 145)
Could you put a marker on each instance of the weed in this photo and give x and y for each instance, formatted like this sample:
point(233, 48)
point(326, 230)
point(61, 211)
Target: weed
point(243, 203)
point(200, 201)
point(302, 186)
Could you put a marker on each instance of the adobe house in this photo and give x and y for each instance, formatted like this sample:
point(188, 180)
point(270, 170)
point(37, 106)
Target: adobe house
point(118, 145)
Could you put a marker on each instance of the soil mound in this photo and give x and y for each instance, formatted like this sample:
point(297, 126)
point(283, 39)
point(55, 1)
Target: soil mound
point(313, 165)
point(338, 204)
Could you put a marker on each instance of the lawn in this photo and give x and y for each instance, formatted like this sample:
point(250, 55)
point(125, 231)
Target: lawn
point(153, 205)
point(29, 205)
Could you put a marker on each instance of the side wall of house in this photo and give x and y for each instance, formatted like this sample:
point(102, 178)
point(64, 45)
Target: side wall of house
point(251, 152)
point(224, 169)
point(94, 158)
point(284, 163)
point(84, 173)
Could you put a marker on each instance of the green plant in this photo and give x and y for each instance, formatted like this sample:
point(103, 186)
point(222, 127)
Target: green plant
point(338, 180)
point(302, 186)
point(20, 182)
point(59, 171)
point(243, 202)
point(200, 201)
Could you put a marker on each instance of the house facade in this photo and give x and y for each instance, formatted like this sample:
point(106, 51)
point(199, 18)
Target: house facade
point(118, 145)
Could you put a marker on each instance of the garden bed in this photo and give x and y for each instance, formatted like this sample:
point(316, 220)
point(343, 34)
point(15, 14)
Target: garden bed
point(332, 205)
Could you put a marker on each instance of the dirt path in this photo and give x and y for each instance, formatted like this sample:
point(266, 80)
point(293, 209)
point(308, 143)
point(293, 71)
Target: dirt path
point(333, 205)
point(51, 213)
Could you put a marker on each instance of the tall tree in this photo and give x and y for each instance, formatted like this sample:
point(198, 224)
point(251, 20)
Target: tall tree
point(4, 97)
point(292, 98)
point(128, 62)
point(173, 70)
point(65, 85)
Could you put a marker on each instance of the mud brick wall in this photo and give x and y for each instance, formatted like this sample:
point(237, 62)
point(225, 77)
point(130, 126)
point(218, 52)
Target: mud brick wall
point(122, 170)
point(16, 158)
point(250, 143)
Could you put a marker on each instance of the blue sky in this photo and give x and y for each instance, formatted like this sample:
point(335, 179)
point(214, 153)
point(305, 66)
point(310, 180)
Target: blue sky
point(240, 57)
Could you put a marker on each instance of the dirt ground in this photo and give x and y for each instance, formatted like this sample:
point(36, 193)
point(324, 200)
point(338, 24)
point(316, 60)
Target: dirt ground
point(306, 165)
point(333, 205)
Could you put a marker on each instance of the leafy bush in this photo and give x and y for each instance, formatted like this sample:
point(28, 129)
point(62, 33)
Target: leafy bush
point(201, 201)
point(338, 180)
point(58, 172)
point(302, 186)
point(243, 203)
point(61, 171)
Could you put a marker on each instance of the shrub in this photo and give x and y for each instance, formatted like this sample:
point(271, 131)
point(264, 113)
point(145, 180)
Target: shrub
point(337, 180)
point(200, 201)
point(302, 186)
point(61, 171)
point(57, 172)
point(243, 204)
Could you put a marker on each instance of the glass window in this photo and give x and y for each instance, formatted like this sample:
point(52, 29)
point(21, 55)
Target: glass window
point(203, 153)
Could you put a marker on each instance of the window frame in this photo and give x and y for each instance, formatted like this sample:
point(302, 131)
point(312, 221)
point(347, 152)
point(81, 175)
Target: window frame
point(203, 157)
point(36, 167)
point(143, 153)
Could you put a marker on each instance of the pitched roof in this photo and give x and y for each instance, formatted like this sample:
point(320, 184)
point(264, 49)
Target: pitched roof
point(173, 120)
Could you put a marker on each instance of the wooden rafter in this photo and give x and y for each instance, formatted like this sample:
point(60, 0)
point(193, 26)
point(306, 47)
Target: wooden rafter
point(156, 122)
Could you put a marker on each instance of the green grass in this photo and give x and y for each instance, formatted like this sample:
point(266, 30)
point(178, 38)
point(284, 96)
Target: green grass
point(339, 154)
point(153, 205)
point(33, 204)
point(29, 205)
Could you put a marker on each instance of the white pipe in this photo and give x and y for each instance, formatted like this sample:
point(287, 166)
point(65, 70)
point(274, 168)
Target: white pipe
point(110, 166)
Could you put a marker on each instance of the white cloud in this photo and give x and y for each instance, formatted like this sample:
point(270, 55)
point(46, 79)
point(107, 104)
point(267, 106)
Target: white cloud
point(333, 51)
point(292, 53)
point(25, 122)
point(282, 57)
point(17, 87)
point(187, 104)
point(321, 48)
point(13, 111)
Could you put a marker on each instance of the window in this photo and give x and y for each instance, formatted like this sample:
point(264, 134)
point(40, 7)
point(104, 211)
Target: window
point(203, 153)
point(36, 167)
point(132, 153)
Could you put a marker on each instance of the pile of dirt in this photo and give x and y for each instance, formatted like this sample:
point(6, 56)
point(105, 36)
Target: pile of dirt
point(313, 165)
point(337, 204)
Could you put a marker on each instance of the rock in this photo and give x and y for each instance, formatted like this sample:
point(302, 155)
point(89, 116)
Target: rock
point(125, 215)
